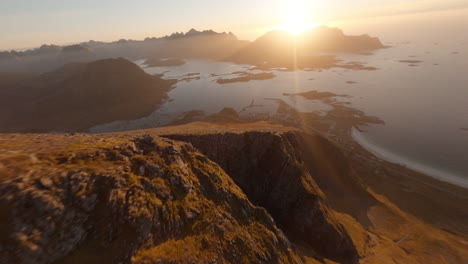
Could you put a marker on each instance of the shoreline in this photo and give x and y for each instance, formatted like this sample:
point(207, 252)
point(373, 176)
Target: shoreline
point(394, 158)
point(436, 202)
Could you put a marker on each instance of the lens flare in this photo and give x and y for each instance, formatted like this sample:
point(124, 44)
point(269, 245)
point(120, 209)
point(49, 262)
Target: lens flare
point(297, 19)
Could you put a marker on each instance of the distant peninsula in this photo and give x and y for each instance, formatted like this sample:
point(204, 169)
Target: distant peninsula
point(283, 49)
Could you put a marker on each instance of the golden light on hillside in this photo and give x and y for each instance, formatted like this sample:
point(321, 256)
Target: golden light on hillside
point(297, 19)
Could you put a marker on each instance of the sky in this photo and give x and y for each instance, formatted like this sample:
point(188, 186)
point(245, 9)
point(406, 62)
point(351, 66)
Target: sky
point(30, 23)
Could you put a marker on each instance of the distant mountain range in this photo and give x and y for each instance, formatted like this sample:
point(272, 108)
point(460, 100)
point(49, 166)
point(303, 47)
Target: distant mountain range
point(206, 44)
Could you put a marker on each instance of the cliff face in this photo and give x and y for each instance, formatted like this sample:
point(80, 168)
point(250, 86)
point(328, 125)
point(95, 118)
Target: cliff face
point(270, 168)
point(139, 200)
point(200, 193)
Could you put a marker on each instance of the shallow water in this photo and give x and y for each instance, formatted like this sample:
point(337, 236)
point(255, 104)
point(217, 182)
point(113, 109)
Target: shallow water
point(424, 107)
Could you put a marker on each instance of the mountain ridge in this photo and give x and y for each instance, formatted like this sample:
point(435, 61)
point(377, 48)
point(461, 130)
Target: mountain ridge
point(165, 195)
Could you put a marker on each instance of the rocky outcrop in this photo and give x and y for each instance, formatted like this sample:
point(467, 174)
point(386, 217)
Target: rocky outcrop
point(271, 169)
point(136, 199)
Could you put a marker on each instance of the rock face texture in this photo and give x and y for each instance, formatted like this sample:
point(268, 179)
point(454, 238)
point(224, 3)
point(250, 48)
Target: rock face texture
point(270, 169)
point(143, 200)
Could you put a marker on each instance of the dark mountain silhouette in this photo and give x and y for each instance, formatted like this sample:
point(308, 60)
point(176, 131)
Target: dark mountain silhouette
point(326, 39)
point(78, 96)
point(179, 45)
point(196, 44)
point(284, 49)
point(44, 49)
point(75, 48)
point(191, 33)
point(44, 58)
point(75, 53)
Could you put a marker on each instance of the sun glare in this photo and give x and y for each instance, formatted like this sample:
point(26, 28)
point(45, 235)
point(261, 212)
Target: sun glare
point(297, 20)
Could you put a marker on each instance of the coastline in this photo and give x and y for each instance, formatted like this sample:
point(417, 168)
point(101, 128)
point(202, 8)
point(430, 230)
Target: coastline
point(436, 202)
point(394, 158)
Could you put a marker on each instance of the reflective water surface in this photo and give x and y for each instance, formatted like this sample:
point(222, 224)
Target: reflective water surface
point(419, 91)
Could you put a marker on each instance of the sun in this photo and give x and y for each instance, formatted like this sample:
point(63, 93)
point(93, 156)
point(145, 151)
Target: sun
point(297, 20)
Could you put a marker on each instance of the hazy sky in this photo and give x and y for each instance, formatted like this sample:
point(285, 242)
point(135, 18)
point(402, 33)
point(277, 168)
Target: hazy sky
point(29, 23)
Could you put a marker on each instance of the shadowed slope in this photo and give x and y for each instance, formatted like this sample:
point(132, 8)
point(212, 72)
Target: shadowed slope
point(78, 96)
point(275, 172)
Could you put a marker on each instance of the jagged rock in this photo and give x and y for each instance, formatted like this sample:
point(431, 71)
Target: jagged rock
point(271, 171)
point(172, 208)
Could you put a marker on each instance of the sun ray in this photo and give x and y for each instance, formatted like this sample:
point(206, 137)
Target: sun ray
point(297, 20)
